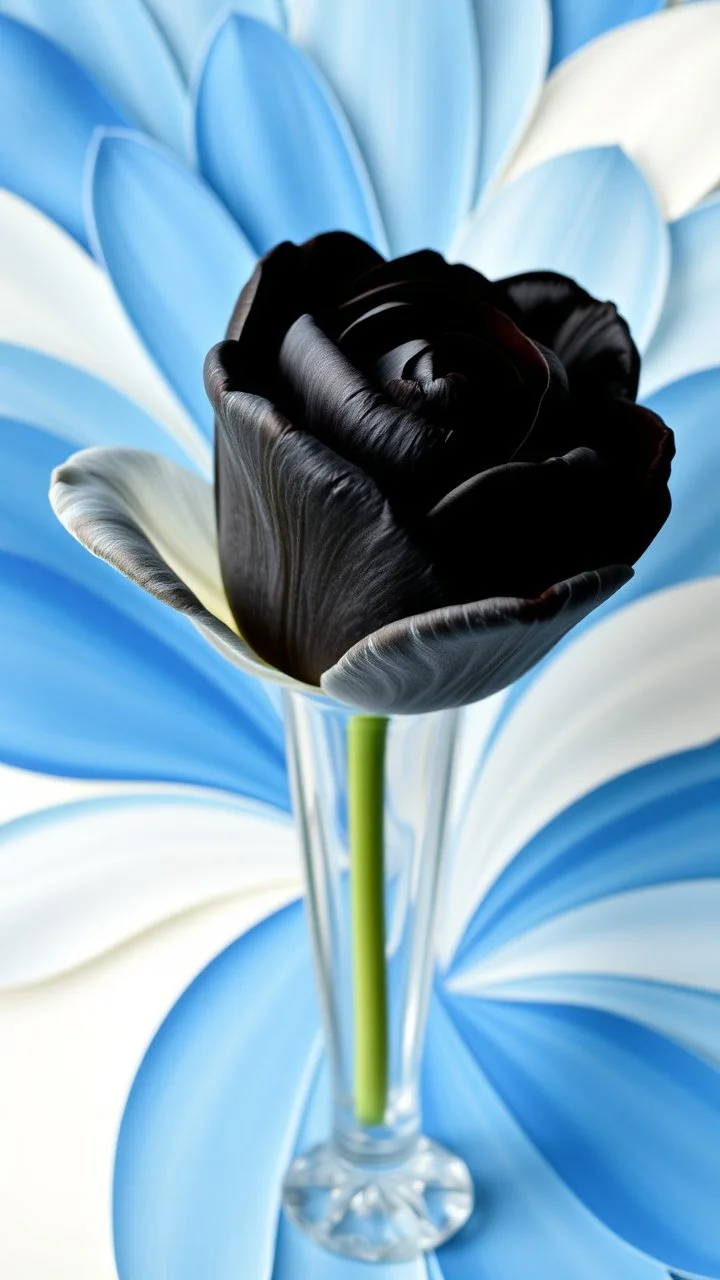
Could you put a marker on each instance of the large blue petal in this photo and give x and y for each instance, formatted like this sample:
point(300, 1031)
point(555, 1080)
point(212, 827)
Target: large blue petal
point(36, 388)
point(589, 214)
point(210, 1123)
point(100, 680)
point(274, 145)
point(514, 44)
point(628, 1119)
point(50, 108)
point(408, 75)
point(187, 24)
point(577, 24)
point(687, 337)
point(654, 825)
point(174, 254)
point(122, 49)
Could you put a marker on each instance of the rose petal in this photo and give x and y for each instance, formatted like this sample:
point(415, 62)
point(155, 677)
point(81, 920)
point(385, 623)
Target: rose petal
point(464, 652)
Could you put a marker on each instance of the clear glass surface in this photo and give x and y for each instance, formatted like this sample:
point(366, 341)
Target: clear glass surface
point(381, 1191)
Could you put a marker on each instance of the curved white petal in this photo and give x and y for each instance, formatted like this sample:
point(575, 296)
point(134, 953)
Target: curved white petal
point(79, 880)
point(667, 933)
point(651, 86)
point(641, 684)
point(54, 298)
point(71, 1049)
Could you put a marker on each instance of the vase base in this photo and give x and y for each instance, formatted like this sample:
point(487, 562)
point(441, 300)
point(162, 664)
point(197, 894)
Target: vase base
point(379, 1213)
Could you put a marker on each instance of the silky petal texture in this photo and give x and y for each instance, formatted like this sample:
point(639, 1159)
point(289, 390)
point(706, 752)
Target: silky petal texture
point(71, 1048)
point(121, 48)
point(451, 656)
point(574, 25)
point(55, 299)
point(54, 108)
point(79, 880)
point(588, 215)
point(145, 696)
point(155, 523)
point(643, 683)
point(514, 47)
point(687, 337)
point(419, 127)
point(188, 24)
point(670, 135)
point(274, 144)
point(174, 255)
point(35, 388)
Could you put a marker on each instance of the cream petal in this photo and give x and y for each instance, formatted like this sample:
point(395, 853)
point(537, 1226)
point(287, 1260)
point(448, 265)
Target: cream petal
point(155, 522)
point(54, 298)
point(652, 86)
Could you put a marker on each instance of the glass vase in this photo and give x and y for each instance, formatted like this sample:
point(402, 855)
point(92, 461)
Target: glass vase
point(371, 800)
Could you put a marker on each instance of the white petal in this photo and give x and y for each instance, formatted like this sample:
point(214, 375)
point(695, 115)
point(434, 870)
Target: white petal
point(653, 87)
point(641, 684)
point(79, 880)
point(54, 298)
point(667, 933)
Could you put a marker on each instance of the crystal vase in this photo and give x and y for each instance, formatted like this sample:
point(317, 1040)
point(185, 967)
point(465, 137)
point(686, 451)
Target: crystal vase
point(371, 800)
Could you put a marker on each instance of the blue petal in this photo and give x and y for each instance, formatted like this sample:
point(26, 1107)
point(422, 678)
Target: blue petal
point(408, 75)
point(628, 1119)
point(687, 337)
point(175, 257)
point(35, 388)
point(187, 24)
point(50, 110)
point(587, 214)
point(577, 24)
point(654, 825)
point(121, 48)
point(210, 1123)
point(514, 44)
point(99, 679)
point(274, 145)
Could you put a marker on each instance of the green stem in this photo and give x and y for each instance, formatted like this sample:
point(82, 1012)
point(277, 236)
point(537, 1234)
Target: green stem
point(366, 767)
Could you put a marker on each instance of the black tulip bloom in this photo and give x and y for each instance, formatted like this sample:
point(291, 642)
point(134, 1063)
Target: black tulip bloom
point(423, 478)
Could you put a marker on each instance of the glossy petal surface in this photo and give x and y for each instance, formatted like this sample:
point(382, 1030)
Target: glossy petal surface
point(188, 24)
point(588, 215)
point(54, 107)
point(419, 126)
point(274, 144)
point(574, 25)
point(123, 51)
point(174, 255)
point(671, 135)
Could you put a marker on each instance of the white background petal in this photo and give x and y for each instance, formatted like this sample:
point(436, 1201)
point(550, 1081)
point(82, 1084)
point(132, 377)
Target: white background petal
point(653, 87)
point(55, 298)
point(641, 684)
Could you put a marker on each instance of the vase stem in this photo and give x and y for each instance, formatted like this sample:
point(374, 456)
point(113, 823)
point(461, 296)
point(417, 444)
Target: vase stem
point(366, 813)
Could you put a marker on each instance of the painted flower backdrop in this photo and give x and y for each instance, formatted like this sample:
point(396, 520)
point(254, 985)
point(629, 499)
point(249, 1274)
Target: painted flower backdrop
point(149, 151)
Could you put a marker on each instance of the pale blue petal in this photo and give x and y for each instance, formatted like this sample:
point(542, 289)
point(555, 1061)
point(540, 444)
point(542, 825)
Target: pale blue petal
point(655, 825)
point(120, 46)
point(629, 1120)
point(514, 44)
point(687, 337)
point(174, 254)
point(408, 75)
point(577, 22)
point(99, 679)
point(187, 24)
point(50, 109)
point(36, 388)
point(274, 144)
point(210, 1124)
point(587, 214)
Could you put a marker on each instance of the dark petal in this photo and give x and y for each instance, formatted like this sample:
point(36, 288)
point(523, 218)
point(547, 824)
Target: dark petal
point(590, 337)
point(311, 556)
point(460, 654)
